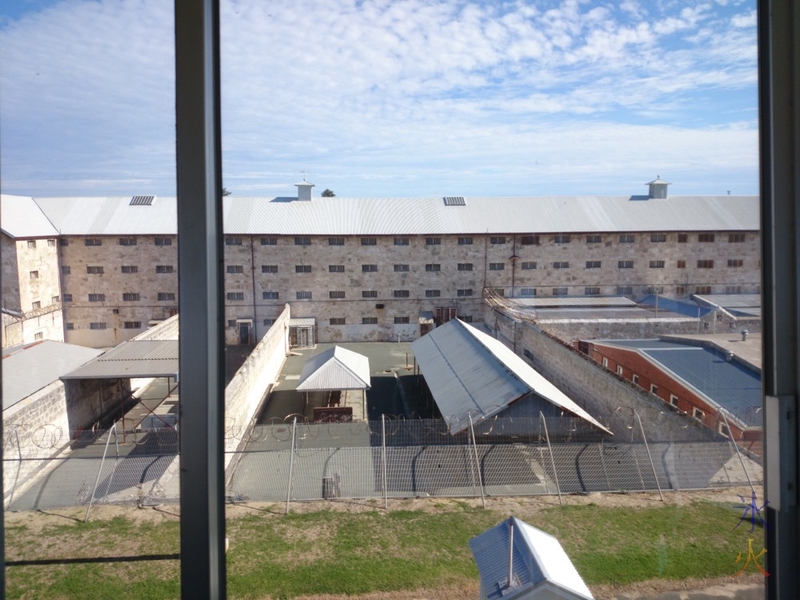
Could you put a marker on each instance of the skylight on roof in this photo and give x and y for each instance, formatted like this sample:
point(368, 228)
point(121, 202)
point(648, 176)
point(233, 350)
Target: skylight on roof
point(454, 201)
point(142, 200)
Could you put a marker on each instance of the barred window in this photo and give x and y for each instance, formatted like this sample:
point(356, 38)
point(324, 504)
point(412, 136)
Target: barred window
point(465, 266)
point(97, 325)
point(655, 289)
point(497, 239)
point(165, 241)
point(591, 291)
point(336, 241)
point(369, 320)
point(560, 291)
point(401, 268)
point(302, 241)
point(656, 264)
point(127, 241)
point(658, 237)
point(269, 295)
point(369, 268)
point(94, 270)
point(497, 266)
point(463, 293)
point(369, 241)
point(133, 325)
point(335, 268)
point(401, 293)
point(683, 238)
point(36, 304)
point(234, 269)
point(561, 239)
point(627, 238)
point(369, 293)
point(735, 238)
point(527, 292)
point(433, 241)
point(594, 239)
point(170, 296)
point(63, 242)
point(303, 295)
point(465, 318)
point(130, 297)
point(465, 241)
point(67, 297)
point(431, 267)
point(233, 296)
point(681, 264)
point(625, 264)
point(268, 322)
point(680, 290)
point(96, 297)
point(337, 321)
point(33, 274)
point(433, 293)
point(705, 237)
point(302, 268)
point(229, 241)
point(70, 326)
point(269, 241)
point(702, 289)
point(561, 265)
point(593, 264)
point(529, 265)
point(705, 264)
point(164, 269)
point(401, 241)
point(624, 290)
point(401, 320)
point(92, 242)
point(31, 243)
point(530, 240)
point(735, 262)
point(733, 289)
point(336, 294)
point(269, 268)
point(129, 269)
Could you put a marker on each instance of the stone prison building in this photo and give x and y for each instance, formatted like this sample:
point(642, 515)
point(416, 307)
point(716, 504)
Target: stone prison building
point(96, 271)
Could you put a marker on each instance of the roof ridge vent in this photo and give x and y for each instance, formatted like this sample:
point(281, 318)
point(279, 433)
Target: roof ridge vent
point(658, 188)
point(142, 201)
point(454, 201)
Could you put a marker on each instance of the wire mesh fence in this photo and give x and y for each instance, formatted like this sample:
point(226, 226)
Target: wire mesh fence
point(390, 458)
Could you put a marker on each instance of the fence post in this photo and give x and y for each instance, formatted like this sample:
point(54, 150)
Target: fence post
point(739, 454)
point(116, 457)
point(477, 462)
point(552, 460)
point(291, 466)
point(603, 463)
point(385, 477)
point(650, 456)
point(19, 465)
point(99, 471)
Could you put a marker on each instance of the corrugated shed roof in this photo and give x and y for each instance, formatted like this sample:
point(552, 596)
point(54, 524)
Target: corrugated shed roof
point(732, 300)
point(134, 358)
point(414, 216)
point(538, 559)
point(471, 373)
point(569, 301)
point(729, 384)
point(22, 218)
point(29, 368)
point(336, 368)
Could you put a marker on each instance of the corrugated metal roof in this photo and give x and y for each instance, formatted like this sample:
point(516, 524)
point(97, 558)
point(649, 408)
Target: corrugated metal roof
point(539, 561)
point(729, 384)
point(732, 300)
point(134, 358)
point(602, 313)
point(22, 218)
point(415, 216)
point(578, 301)
point(303, 322)
point(471, 373)
point(29, 368)
point(336, 368)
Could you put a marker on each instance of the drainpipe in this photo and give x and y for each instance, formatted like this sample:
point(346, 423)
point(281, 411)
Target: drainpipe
point(253, 279)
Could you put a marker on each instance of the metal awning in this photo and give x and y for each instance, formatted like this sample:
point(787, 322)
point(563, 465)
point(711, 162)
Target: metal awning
point(134, 358)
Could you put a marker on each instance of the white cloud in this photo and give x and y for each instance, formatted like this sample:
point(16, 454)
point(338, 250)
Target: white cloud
point(381, 93)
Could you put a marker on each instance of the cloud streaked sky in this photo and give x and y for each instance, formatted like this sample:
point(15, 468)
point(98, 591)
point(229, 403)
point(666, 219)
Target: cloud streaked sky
point(390, 98)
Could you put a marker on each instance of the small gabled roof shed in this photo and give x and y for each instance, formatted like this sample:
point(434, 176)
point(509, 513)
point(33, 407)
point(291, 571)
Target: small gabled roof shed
point(335, 369)
point(539, 567)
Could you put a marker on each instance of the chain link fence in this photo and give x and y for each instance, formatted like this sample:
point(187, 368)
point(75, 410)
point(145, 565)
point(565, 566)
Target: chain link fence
point(294, 460)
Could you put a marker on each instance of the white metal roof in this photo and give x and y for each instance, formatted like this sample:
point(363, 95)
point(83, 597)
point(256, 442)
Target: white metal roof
point(579, 301)
point(22, 218)
point(134, 358)
point(541, 568)
point(472, 374)
point(732, 300)
point(336, 368)
point(414, 216)
point(29, 368)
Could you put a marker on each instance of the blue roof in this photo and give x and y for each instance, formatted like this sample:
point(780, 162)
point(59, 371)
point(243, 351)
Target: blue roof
point(730, 384)
point(688, 309)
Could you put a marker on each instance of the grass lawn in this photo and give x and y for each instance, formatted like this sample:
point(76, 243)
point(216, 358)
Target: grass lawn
point(370, 550)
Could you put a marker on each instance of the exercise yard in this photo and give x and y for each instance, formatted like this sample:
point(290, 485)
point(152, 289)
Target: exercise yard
point(395, 390)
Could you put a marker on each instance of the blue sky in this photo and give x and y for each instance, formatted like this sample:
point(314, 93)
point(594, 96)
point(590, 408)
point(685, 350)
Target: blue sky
point(390, 97)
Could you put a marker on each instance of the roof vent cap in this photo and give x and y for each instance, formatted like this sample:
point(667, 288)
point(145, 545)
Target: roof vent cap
point(658, 188)
point(304, 190)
